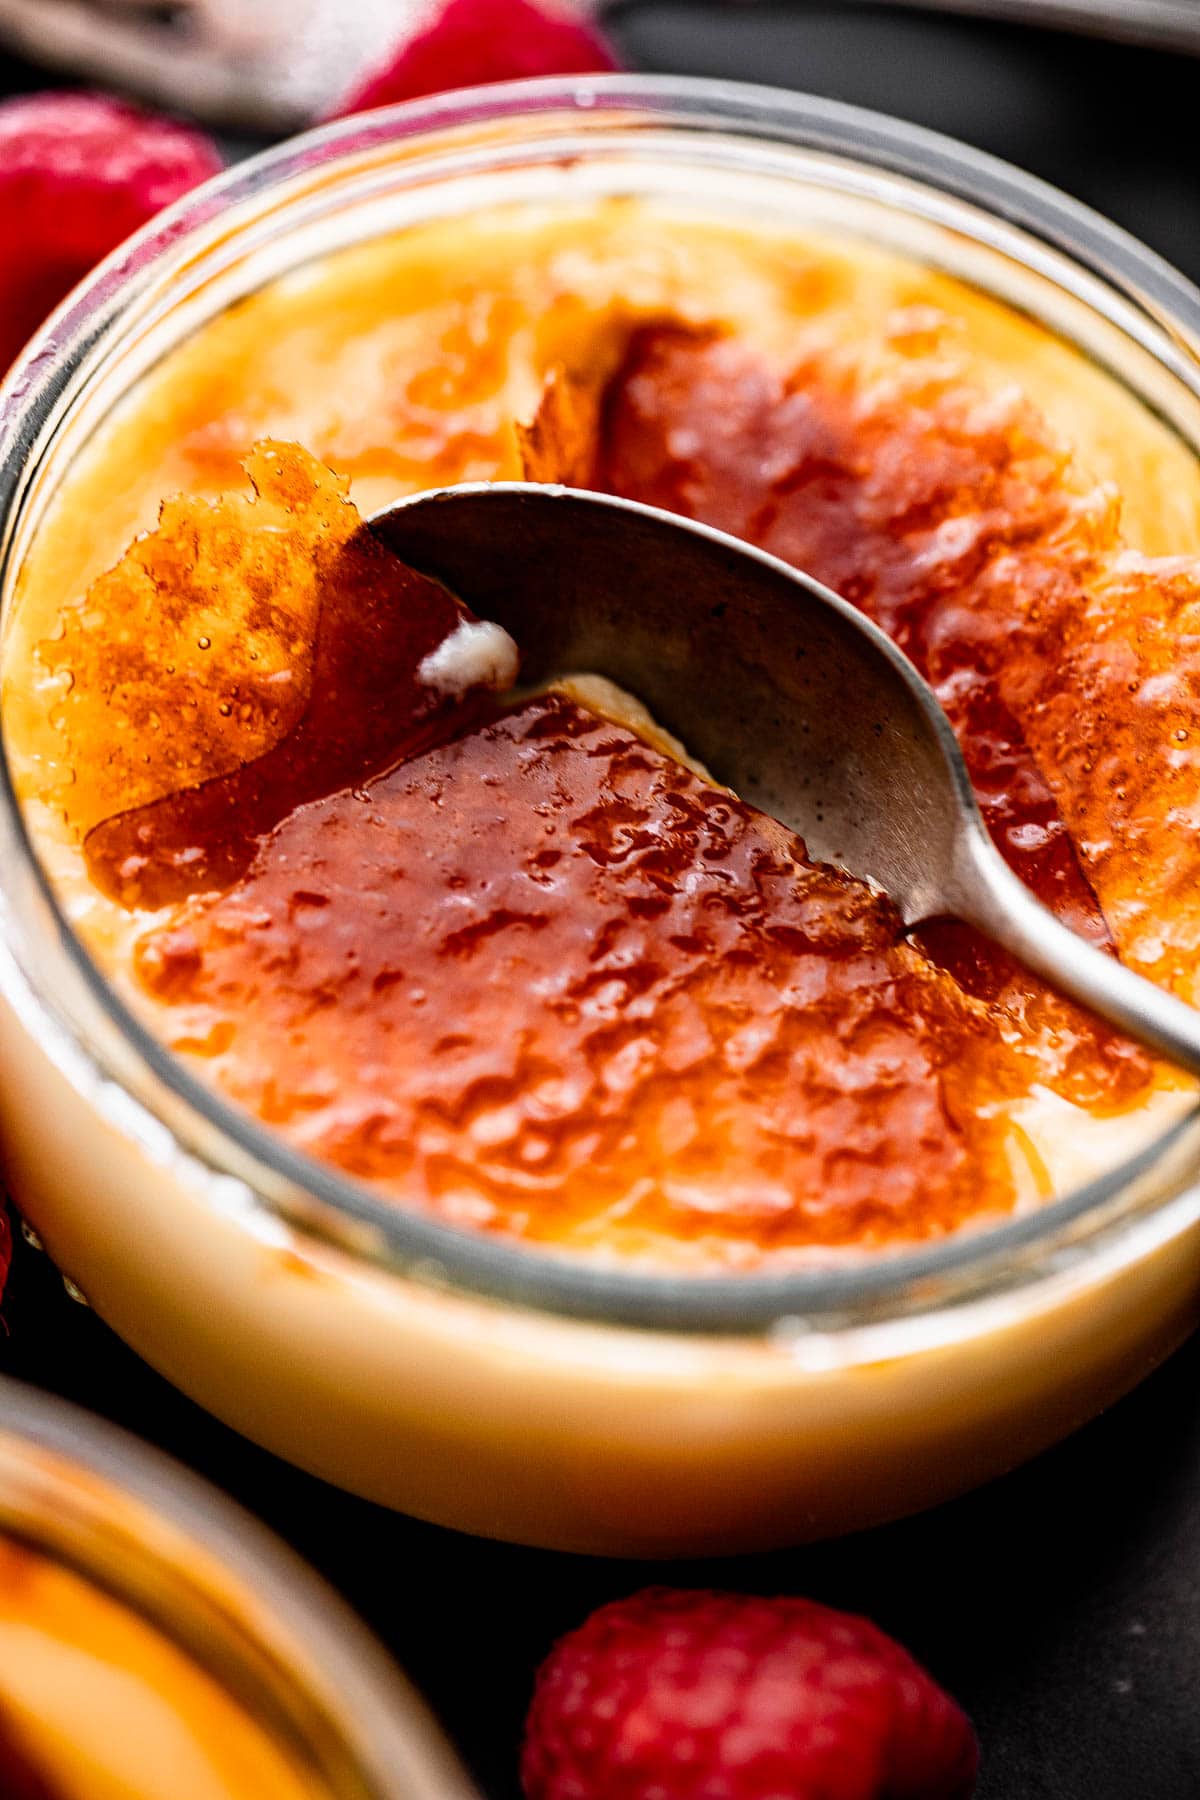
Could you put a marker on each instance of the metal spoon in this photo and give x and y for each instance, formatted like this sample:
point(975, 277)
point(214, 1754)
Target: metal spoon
point(783, 689)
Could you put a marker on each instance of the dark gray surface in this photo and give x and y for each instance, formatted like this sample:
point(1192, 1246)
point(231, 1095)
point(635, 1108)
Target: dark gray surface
point(1061, 1603)
point(1112, 124)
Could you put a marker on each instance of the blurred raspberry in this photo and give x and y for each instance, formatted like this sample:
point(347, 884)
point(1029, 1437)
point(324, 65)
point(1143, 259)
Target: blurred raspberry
point(707, 1696)
point(78, 173)
point(475, 41)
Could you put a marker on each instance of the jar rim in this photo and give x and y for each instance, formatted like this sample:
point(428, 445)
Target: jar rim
point(1148, 298)
point(91, 1498)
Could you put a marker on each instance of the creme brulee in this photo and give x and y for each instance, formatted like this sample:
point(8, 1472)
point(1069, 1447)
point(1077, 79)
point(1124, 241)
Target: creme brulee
point(517, 966)
point(514, 964)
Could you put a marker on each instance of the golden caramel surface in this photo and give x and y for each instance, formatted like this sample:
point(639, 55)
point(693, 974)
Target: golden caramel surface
point(545, 980)
point(519, 965)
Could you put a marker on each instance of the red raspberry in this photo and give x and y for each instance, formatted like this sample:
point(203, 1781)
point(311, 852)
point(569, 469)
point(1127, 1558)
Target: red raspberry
point(78, 173)
point(475, 41)
point(705, 1696)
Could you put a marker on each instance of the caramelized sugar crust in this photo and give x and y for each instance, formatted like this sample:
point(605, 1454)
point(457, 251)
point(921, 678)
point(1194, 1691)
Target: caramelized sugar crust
point(341, 627)
point(545, 979)
point(948, 519)
point(193, 655)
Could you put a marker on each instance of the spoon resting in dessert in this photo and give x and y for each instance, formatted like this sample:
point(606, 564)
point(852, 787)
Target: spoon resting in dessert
point(785, 691)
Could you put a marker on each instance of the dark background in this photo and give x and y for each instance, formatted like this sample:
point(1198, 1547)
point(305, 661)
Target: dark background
point(1061, 1603)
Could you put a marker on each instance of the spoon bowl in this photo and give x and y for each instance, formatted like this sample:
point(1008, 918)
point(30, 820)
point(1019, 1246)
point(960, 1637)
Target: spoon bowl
point(784, 690)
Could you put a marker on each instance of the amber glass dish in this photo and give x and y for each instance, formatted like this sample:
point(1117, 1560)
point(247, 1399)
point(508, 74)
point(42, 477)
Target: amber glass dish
point(167, 1584)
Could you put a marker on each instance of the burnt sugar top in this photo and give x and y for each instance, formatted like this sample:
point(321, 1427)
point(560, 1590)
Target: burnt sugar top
point(511, 958)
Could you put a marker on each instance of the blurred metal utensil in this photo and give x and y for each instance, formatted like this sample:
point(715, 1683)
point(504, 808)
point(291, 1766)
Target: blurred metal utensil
point(265, 65)
point(275, 65)
point(1157, 24)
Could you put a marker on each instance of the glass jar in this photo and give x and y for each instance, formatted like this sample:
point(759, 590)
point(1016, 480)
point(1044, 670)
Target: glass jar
point(481, 1383)
point(153, 1638)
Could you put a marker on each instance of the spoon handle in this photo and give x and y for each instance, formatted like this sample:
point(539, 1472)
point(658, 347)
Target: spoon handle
point(989, 896)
